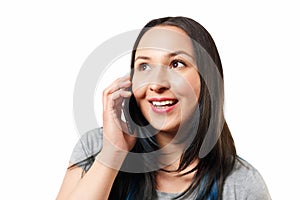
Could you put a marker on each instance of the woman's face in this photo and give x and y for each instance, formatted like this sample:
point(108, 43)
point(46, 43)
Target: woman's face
point(166, 82)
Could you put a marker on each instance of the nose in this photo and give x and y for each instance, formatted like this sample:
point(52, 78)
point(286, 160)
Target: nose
point(158, 88)
point(159, 81)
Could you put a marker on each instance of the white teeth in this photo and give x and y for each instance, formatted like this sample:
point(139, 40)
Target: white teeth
point(162, 103)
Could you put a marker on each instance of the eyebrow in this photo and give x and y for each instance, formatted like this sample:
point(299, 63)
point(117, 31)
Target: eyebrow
point(175, 53)
point(142, 57)
point(172, 54)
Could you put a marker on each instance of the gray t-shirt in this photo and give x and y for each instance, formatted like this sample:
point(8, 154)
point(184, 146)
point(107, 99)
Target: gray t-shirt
point(244, 182)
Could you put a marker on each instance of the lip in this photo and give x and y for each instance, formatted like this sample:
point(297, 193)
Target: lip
point(165, 109)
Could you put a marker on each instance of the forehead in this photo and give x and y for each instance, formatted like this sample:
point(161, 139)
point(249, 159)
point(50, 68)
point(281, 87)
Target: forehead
point(166, 38)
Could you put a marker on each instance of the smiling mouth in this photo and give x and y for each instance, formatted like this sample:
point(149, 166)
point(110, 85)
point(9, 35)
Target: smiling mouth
point(163, 104)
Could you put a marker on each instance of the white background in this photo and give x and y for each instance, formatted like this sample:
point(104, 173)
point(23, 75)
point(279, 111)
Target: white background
point(43, 45)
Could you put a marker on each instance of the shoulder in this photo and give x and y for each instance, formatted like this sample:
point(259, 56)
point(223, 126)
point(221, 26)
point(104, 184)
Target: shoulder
point(245, 182)
point(88, 145)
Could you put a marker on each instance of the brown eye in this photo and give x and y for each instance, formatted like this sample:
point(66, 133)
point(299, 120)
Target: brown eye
point(177, 64)
point(144, 67)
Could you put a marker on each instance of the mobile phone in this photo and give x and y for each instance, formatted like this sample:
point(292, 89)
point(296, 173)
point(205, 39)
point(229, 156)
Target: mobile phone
point(126, 113)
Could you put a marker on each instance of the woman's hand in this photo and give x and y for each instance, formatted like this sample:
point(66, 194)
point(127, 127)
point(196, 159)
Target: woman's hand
point(98, 181)
point(116, 140)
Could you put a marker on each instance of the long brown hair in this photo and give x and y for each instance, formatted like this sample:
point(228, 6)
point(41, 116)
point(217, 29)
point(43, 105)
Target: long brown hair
point(216, 164)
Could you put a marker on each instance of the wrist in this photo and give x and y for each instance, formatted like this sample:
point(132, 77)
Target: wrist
point(111, 156)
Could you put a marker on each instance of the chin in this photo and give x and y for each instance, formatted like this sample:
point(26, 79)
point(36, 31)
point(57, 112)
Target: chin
point(167, 128)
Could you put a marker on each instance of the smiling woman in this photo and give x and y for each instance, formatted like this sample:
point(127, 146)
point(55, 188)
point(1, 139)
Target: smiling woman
point(165, 82)
point(180, 146)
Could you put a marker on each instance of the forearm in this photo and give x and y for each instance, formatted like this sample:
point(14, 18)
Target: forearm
point(96, 184)
point(98, 181)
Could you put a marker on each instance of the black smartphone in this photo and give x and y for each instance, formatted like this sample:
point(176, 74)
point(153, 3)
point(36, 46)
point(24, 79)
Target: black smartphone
point(126, 113)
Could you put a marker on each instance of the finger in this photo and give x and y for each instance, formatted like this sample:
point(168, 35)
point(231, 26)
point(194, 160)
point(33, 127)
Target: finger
point(121, 93)
point(117, 99)
point(114, 90)
point(118, 84)
point(114, 101)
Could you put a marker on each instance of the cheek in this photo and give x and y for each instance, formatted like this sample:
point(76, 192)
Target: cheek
point(188, 87)
point(138, 89)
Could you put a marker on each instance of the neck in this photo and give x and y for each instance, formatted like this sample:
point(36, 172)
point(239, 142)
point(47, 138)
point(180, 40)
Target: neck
point(172, 181)
point(171, 149)
point(164, 138)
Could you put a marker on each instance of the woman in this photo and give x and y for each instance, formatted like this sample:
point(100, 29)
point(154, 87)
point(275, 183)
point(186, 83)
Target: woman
point(177, 144)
